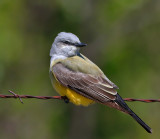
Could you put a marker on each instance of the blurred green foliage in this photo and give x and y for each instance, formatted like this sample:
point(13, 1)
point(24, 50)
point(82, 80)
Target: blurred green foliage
point(123, 39)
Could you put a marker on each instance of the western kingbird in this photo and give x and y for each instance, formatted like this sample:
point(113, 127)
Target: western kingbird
point(81, 81)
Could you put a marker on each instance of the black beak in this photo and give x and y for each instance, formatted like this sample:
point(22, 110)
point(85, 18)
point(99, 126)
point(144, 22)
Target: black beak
point(80, 44)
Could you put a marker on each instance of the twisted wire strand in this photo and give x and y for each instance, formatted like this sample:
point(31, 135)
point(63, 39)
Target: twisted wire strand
point(14, 95)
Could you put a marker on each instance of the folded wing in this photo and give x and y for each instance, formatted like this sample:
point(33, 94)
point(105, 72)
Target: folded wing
point(90, 86)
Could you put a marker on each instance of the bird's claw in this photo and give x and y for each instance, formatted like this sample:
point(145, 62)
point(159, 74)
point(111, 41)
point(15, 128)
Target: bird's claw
point(66, 100)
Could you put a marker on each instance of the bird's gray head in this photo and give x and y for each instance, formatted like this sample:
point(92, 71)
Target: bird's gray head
point(66, 44)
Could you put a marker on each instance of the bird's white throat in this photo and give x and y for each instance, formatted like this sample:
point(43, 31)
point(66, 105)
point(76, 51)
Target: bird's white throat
point(56, 57)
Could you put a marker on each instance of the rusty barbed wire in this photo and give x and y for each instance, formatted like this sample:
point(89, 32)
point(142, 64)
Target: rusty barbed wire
point(141, 100)
point(14, 95)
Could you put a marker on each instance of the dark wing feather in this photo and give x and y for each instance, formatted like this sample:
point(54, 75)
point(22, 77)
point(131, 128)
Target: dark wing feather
point(95, 88)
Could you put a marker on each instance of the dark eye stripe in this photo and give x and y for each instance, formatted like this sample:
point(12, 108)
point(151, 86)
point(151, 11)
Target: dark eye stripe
point(67, 42)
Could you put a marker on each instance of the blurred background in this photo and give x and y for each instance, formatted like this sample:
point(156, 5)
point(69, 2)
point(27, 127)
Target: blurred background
point(123, 38)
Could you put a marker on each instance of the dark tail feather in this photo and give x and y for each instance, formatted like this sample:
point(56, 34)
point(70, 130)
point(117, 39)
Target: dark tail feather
point(121, 102)
point(146, 127)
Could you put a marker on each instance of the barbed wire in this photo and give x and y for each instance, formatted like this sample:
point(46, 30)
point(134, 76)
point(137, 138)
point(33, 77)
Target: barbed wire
point(14, 95)
point(141, 100)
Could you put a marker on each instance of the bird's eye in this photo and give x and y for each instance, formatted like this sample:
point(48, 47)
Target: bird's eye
point(66, 42)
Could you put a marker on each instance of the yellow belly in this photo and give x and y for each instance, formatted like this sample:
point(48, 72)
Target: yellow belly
point(73, 97)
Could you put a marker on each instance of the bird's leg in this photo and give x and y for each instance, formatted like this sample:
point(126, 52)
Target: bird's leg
point(66, 100)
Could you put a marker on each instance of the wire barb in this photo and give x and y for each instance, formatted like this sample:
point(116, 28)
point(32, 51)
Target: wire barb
point(16, 96)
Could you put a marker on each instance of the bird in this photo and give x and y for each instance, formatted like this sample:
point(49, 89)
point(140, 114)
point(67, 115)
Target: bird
point(80, 81)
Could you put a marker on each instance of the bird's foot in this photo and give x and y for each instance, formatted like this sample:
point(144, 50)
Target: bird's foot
point(66, 100)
